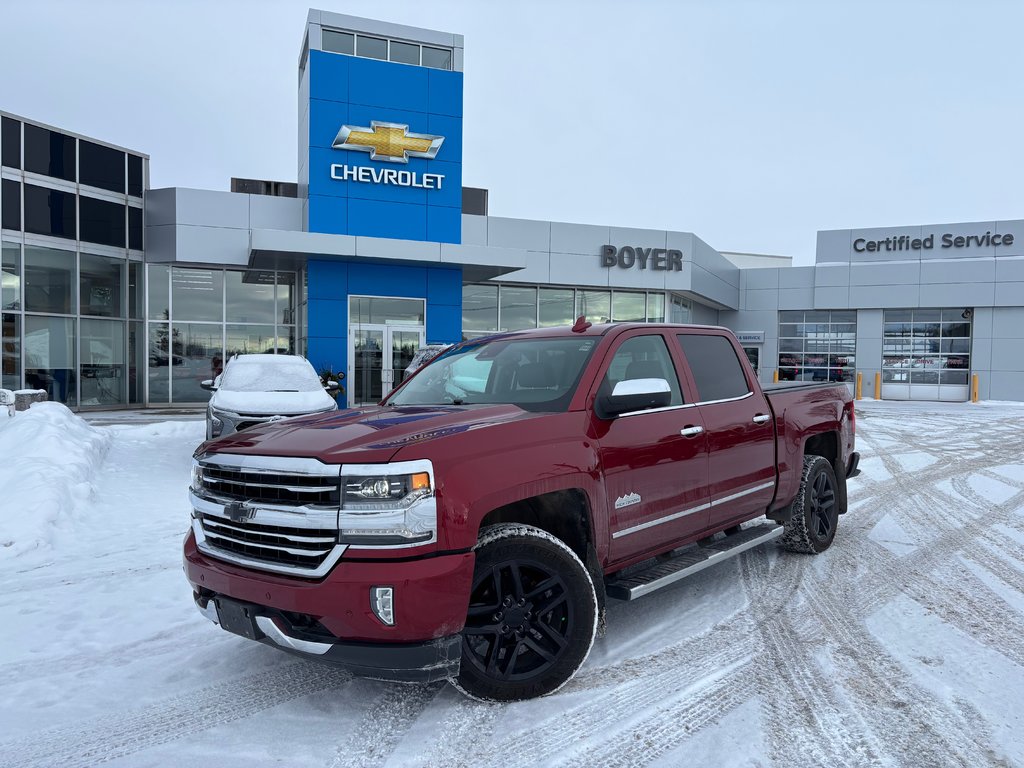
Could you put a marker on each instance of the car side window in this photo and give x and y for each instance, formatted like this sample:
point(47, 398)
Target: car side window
point(716, 369)
point(643, 357)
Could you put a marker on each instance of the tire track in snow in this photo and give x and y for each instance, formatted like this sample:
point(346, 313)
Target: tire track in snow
point(120, 734)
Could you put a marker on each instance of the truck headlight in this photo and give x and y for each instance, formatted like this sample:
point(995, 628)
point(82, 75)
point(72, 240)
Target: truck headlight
point(197, 476)
point(387, 505)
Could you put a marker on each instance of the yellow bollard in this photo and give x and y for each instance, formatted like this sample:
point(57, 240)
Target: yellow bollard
point(860, 382)
point(974, 388)
point(775, 376)
point(878, 386)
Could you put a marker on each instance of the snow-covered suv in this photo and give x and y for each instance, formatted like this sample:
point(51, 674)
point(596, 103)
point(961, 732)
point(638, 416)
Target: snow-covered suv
point(254, 389)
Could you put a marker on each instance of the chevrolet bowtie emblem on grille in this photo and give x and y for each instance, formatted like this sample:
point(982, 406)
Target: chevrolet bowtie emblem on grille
point(239, 511)
point(391, 142)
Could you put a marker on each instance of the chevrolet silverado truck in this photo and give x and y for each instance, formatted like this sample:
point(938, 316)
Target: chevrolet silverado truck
point(471, 526)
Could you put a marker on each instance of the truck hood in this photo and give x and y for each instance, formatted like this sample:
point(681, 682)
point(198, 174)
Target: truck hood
point(362, 435)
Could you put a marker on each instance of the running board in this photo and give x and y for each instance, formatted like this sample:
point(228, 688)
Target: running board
point(690, 561)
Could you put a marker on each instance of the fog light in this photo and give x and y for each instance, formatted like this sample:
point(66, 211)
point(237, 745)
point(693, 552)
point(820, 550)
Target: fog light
point(382, 601)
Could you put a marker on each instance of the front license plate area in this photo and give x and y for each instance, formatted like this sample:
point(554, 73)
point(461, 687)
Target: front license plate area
point(238, 618)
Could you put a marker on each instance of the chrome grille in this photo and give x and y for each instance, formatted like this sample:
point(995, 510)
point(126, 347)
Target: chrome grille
point(304, 548)
point(271, 487)
point(272, 513)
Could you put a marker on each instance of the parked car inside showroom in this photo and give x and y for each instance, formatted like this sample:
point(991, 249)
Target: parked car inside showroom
point(255, 389)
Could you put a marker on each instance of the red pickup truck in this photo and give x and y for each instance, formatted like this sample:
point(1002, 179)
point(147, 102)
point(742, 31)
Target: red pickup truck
point(471, 526)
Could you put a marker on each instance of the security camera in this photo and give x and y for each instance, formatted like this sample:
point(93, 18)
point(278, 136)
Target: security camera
point(967, 314)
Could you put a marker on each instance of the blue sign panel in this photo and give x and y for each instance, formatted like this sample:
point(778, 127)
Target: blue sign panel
point(385, 149)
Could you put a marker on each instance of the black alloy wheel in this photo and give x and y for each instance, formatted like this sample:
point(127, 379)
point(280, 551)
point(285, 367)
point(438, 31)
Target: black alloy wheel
point(814, 513)
point(532, 616)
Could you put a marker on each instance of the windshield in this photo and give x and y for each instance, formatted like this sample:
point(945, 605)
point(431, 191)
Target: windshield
point(282, 375)
point(534, 374)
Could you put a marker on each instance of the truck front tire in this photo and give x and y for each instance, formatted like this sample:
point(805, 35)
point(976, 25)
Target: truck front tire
point(814, 514)
point(532, 616)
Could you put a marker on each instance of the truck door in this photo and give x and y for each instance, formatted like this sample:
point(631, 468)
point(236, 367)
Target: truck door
point(737, 419)
point(654, 461)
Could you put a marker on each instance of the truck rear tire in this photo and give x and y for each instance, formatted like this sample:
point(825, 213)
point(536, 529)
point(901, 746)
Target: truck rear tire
point(814, 514)
point(532, 617)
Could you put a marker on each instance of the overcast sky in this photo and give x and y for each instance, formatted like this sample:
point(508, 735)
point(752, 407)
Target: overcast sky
point(751, 124)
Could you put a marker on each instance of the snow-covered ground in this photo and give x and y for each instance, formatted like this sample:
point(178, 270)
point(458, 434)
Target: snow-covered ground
point(903, 645)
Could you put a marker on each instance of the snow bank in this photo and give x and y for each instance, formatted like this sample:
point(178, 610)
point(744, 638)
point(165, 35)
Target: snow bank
point(48, 459)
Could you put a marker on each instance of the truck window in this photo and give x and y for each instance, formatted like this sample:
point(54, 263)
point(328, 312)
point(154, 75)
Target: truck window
point(643, 357)
point(716, 369)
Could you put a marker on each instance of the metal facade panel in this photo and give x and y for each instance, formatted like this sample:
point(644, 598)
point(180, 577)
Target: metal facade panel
point(1006, 385)
point(1010, 269)
point(371, 192)
point(212, 245)
point(578, 238)
point(267, 212)
point(832, 275)
point(576, 269)
point(833, 245)
point(474, 230)
point(207, 208)
point(1008, 295)
point(885, 296)
point(1007, 322)
point(957, 295)
point(796, 277)
point(905, 273)
point(832, 297)
point(759, 279)
point(980, 270)
point(519, 233)
point(796, 298)
point(761, 300)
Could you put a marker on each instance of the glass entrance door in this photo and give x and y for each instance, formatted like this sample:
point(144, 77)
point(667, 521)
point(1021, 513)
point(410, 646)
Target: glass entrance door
point(379, 357)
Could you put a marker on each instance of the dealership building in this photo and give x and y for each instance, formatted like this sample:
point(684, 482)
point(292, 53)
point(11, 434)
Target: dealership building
point(117, 294)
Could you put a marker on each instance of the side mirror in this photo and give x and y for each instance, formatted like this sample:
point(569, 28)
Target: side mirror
point(332, 386)
point(635, 395)
point(208, 385)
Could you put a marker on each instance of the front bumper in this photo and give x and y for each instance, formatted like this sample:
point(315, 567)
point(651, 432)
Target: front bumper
point(331, 619)
point(423, 662)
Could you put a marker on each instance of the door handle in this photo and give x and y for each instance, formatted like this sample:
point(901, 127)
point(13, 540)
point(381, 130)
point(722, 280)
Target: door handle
point(691, 431)
point(761, 418)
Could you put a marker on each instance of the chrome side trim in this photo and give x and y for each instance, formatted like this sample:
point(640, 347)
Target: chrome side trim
point(660, 520)
point(269, 627)
point(262, 565)
point(747, 492)
point(692, 510)
point(657, 410)
point(725, 400)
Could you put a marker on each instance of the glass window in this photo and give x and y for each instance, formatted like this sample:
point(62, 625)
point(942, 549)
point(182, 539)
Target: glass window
point(135, 241)
point(197, 294)
point(642, 357)
point(253, 339)
point(10, 196)
point(556, 307)
point(49, 153)
point(596, 306)
point(157, 289)
point(716, 369)
point(480, 308)
point(102, 356)
point(101, 279)
point(628, 307)
point(10, 143)
point(371, 47)
point(818, 345)
point(384, 311)
point(197, 355)
point(50, 284)
point(656, 308)
point(518, 308)
point(250, 296)
point(135, 295)
point(10, 277)
point(10, 351)
point(926, 346)
point(136, 361)
point(680, 310)
point(49, 212)
point(101, 221)
point(338, 42)
point(160, 362)
point(135, 175)
point(50, 357)
point(405, 53)
point(286, 298)
point(100, 166)
point(437, 58)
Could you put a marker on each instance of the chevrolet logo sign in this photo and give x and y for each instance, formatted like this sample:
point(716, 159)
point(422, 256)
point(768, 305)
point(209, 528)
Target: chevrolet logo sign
point(391, 142)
